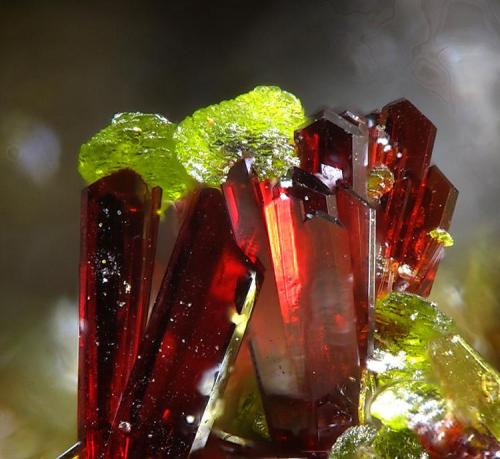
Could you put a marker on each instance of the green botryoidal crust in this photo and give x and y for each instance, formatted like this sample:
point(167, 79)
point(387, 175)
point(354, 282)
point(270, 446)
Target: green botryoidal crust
point(259, 124)
point(406, 390)
point(142, 142)
point(405, 324)
point(424, 370)
point(366, 442)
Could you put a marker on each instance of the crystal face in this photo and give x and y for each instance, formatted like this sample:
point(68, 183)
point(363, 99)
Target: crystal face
point(119, 222)
point(141, 142)
point(333, 142)
point(258, 124)
point(420, 199)
point(291, 320)
point(317, 391)
point(471, 385)
point(192, 338)
point(405, 324)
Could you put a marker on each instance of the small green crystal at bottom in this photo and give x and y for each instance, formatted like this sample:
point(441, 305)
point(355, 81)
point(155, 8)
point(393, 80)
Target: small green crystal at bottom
point(366, 442)
point(259, 124)
point(141, 142)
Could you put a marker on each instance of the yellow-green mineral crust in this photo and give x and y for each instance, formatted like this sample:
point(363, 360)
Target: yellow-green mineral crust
point(405, 324)
point(468, 382)
point(355, 443)
point(138, 141)
point(406, 393)
point(366, 442)
point(406, 404)
point(250, 417)
point(259, 124)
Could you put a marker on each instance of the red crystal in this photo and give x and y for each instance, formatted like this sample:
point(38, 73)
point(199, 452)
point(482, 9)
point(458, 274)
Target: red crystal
point(359, 218)
point(302, 333)
point(436, 210)
point(190, 341)
point(119, 223)
point(448, 439)
point(334, 141)
point(407, 154)
point(311, 397)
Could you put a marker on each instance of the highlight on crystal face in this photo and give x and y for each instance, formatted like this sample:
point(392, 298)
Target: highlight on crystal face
point(292, 319)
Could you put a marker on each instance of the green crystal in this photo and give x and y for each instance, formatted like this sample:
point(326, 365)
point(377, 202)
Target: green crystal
point(442, 236)
point(469, 383)
point(405, 404)
point(405, 324)
point(405, 393)
point(141, 142)
point(355, 443)
point(250, 416)
point(390, 444)
point(365, 442)
point(259, 124)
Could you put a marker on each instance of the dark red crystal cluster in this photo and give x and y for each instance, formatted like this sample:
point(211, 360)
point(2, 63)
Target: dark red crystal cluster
point(270, 282)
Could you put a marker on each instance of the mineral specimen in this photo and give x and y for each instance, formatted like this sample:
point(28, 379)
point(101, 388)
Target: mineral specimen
point(420, 198)
point(296, 246)
point(316, 376)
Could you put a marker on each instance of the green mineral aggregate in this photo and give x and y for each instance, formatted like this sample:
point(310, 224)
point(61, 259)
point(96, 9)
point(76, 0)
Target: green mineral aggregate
point(442, 236)
point(138, 141)
point(403, 444)
point(471, 386)
point(365, 442)
point(251, 417)
point(355, 443)
point(405, 392)
point(259, 125)
point(405, 324)
point(405, 404)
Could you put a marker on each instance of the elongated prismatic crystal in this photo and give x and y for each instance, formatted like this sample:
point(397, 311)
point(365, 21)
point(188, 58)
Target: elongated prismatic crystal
point(119, 223)
point(193, 335)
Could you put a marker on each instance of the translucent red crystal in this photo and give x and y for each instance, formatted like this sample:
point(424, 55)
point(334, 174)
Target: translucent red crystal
point(308, 375)
point(184, 355)
point(337, 142)
point(313, 397)
point(408, 152)
point(119, 223)
point(421, 199)
point(359, 218)
point(424, 252)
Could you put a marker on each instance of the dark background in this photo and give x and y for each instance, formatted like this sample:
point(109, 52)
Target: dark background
point(67, 67)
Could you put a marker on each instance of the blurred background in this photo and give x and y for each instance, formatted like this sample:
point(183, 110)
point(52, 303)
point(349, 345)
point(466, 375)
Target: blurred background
point(66, 67)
